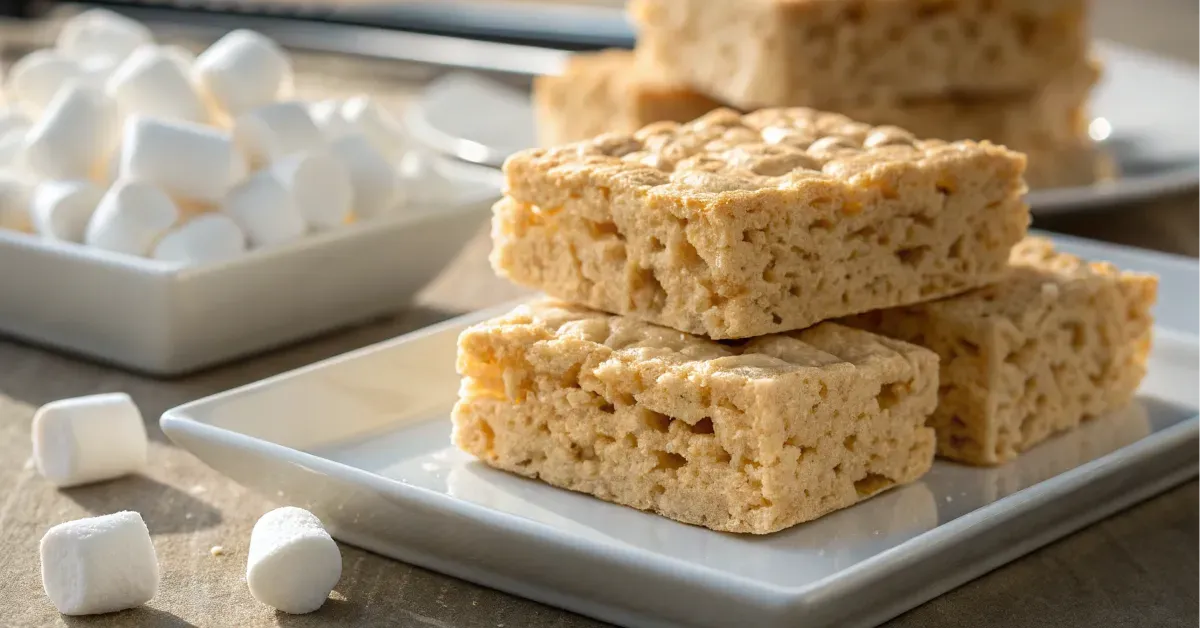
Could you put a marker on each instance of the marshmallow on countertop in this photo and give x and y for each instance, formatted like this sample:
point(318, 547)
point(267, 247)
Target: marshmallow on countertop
point(293, 564)
point(152, 83)
point(206, 238)
point(34, 80)
point(274, 131)
point(99, 34)
point(265, 210)
point(186, 160)
point(15, 192)
point(76, 132)
point(375, 182)
point(319, 185)
point(327, 114)
point(61, 210)
point(100, 564)
point(376, 124)
point(131, 218)
point(243, 71)
point(89, 439)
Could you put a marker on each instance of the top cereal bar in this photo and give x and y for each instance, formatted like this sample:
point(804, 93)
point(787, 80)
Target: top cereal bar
point(855, 54)
point(736, 226)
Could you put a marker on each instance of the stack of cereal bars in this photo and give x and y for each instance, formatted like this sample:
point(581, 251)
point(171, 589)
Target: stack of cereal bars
point(1015, 72)
point(759, 319)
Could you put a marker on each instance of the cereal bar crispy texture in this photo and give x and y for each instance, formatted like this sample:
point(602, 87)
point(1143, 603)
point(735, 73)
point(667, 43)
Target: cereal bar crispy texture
point(850, 54)
point(1056, 342)
point(747, 437)
point(607, 92)
point(738, 226)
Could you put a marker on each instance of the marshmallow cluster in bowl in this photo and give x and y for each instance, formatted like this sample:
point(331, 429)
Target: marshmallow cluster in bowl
point(115, 142)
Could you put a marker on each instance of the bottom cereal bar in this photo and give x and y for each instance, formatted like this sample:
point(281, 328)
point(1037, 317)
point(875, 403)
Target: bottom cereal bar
point(606, 92)
point(750, 436)
point(1058, 341)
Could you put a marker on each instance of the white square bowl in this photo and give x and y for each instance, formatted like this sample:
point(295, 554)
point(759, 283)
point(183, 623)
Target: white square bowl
point(167, 320)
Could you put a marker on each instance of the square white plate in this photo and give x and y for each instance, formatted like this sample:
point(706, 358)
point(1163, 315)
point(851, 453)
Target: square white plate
point(166, 319)
point(363, 441)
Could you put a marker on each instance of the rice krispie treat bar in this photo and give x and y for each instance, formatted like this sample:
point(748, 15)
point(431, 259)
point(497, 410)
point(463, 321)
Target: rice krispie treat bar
point(738, 226)
point(1058, 341)
point(854, 54)
point(753, 436)
point(609, 92)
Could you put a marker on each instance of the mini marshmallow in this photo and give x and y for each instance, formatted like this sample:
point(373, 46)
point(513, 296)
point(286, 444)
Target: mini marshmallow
point(99, 34)
point(88, 439)
point(61, 210)
point(78, 129)
point(99, 564)
point(374, 122)
point(151, 83)
point(187, 160)
point(422, 183)
point(36, 78)
point(319, 185)
point(206, 238)
point(275, 131)
point(265, 210)
point(15, 191)
point(243, 71)
point(327, 114)
point(374, 181)
point(293, 564)
point(130, 218)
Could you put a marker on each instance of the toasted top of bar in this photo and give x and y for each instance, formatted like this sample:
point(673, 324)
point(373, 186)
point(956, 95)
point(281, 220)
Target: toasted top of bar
point(826, 349)
point(1038, 276)
point(724, 152)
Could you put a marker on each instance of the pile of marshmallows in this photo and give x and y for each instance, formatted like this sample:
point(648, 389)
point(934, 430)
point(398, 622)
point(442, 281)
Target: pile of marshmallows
point(292, 565)
point(113, 141)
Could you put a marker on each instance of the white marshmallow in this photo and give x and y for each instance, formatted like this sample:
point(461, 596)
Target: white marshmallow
point(131, 218)
point(274, 131)
point(15, 191)
point(13, 120)
point(77, 131)
point(101, 34)
point(376, 124)
point(34, 79)
point(265, 210)
point(89, 439)
point(187, 160)
point(151, 83)
point(327, 114)
point(203, 239)
point(374, 181)
point(242, 71)
point(422, 183)
point(293, 564)
point(95, 72)
point(320, 186)
point(100, 564)
point(61, 210)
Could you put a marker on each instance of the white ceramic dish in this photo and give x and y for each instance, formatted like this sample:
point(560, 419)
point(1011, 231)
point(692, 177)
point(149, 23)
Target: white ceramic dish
point(164, 319)
point(1144, 111)
point(363, 441)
